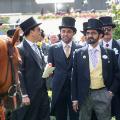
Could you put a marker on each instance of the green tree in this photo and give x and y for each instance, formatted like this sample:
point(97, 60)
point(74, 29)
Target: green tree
point(116, 18)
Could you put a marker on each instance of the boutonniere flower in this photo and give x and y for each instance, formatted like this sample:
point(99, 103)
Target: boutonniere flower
point(116, 51)
point(39, 44)
point(84, 57)
point(104, 56)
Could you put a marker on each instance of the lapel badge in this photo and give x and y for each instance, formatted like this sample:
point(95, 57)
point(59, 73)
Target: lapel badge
point(104, 56)
point(84, 57)
point(116, 51)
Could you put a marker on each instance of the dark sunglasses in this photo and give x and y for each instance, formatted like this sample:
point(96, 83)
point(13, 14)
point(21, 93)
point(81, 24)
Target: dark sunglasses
point(107, 29)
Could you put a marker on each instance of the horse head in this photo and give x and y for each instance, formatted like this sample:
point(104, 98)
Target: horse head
point(8, 52)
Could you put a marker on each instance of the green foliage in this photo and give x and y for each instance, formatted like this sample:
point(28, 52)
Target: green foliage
point(116, 18)
point(4, 29)
point(5, 20)
point(116, 33)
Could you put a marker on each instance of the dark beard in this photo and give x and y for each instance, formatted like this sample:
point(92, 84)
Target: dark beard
point(91, 41)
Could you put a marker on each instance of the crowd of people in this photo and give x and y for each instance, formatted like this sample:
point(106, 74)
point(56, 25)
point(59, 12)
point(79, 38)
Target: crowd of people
point(85, 83)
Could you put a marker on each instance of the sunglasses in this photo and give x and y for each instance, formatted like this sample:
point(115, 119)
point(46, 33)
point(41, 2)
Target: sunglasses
point(107, 29)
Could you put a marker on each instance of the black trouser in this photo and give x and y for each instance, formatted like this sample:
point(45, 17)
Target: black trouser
point(37, 110)
point(63, 107)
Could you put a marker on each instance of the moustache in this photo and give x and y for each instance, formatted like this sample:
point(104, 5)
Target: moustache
point(91, 41)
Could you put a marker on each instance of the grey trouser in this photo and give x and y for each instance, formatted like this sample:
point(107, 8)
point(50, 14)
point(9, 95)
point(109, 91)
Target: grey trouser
point(100, 102)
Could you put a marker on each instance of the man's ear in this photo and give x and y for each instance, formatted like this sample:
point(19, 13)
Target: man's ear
point(101, 35)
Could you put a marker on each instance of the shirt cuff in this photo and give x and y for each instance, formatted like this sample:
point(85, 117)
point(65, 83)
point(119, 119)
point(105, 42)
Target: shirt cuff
point(24, 96)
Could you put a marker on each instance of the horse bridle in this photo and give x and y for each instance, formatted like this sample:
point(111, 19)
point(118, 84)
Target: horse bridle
point(13, 88)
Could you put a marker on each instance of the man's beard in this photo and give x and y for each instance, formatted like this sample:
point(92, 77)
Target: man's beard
point(91, 41)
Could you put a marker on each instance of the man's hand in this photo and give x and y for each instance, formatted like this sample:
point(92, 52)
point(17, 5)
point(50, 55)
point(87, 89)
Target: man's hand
point(25, 100)
point(111, 93)
point(75, 106)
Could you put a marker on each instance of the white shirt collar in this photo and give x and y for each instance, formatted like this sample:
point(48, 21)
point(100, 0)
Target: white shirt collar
point(29, 42)
point(64, 44)
point(91, 48)
point(109, 42)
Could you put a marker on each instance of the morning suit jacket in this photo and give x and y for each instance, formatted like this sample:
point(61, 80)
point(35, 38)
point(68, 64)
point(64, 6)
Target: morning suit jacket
point(115, 46)
point(81, 73)
point(33, 84)
point(31, 70)
point(62, 71)
point(119, 61)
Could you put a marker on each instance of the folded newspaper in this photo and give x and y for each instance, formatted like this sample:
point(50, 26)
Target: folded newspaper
point(48, 70)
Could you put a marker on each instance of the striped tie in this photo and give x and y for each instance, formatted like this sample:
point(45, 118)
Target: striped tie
point(36, 49)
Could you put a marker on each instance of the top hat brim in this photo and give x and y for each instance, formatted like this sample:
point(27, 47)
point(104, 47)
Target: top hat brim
point(35, 25)
point(83, 32)
point(113, 25)
point(89, 28)
point(73, 28)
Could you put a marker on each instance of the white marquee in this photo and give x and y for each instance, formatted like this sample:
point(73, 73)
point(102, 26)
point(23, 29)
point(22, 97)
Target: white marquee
point(53, 1)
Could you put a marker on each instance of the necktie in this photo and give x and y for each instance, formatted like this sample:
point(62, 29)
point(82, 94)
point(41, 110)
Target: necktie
point(36, 49)
point(107, 45)
point(93, 57)
point(67, 50)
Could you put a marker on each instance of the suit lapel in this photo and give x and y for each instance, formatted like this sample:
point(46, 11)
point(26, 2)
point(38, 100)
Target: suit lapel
point(32, 53)
point(105, 60)
point(114, 44)
point(62, 53)
point(85, 61)
point(73, 47)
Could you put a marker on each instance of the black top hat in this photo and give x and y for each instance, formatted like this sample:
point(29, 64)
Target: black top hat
point(85, 24)
point(68, 22)
point(10, 32)
point(94, 24)
point(107, 21)
point(28, 24)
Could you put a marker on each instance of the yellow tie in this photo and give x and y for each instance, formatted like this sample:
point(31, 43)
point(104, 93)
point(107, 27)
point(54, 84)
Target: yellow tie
point(67, 50)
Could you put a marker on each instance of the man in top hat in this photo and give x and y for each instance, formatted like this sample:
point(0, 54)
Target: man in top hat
point(95, 76)
point(108, 42)
point(83, 38)
point(34, 92)
point(61, 56)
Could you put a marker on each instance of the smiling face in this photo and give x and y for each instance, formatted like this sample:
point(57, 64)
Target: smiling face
point(67, 34)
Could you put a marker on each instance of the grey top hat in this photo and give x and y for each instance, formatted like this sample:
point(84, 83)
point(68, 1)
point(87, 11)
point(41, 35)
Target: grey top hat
point(28, 24)
point(68, 22)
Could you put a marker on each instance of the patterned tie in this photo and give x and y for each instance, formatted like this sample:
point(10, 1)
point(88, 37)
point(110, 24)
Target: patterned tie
point(36, 49)
point(67, 50)
point(93, 57)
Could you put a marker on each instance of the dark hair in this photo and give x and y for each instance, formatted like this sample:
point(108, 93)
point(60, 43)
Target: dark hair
point(59, 36)
point(21, 38)
point(28, 32)
point(42, 33)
